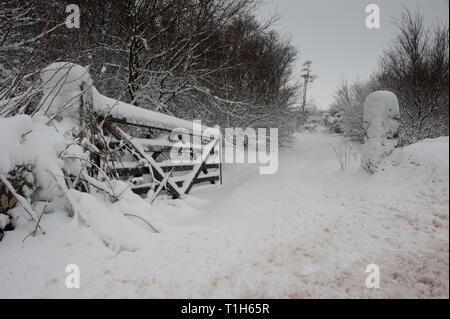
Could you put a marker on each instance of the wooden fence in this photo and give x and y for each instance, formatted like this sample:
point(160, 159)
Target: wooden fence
point(145, 163)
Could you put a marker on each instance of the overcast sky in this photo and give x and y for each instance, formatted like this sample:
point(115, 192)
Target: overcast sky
point(332, 33)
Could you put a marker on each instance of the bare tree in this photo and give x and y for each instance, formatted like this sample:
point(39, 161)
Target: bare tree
point(204, 59)
point(416, 69)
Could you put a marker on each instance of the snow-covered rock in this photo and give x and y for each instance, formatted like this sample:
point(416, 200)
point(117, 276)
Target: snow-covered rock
point(381, 123)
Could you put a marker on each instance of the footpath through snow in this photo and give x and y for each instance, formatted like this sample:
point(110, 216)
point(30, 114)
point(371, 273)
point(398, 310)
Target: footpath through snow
point(307, 232)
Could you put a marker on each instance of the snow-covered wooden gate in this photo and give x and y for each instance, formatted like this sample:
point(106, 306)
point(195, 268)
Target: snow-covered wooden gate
point(146, 162)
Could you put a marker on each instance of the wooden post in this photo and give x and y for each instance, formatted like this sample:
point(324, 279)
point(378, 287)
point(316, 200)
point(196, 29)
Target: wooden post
point(88, 125)
point(220, 159)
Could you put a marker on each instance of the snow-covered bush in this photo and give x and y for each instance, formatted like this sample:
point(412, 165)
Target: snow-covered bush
point(45, 163)
point(345, 115)
point(381, 123)
point(37, 153)
point(312, 119)
point(28, 159)
point(21, 179)
point(334, 118)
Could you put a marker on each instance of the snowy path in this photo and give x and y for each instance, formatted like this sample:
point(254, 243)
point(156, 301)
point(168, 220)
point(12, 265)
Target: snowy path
point(308, 231)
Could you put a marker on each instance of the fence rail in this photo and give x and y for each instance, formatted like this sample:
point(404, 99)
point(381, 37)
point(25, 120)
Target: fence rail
point(146, 163)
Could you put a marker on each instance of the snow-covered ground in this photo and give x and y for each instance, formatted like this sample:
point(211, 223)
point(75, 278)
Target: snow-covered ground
point(307, 232)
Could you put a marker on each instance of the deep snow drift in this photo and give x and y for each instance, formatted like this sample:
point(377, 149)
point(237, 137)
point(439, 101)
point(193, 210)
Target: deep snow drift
point(308, 231)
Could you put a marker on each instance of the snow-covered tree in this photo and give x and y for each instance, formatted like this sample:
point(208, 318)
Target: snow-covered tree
point(346, 111)
point(416, 69)
point(204, 59)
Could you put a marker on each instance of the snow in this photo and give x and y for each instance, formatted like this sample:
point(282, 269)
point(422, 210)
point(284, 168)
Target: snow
point(50, 150)
point(11, 131)
point(4, 220)
point(380, 111)
point(27, 140)
point(118, 232)
point(62, 84)
point(308, 231)
point(137, 115)
point(381, 124)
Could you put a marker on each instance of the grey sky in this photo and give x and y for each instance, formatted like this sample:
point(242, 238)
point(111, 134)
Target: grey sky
point(332, 33)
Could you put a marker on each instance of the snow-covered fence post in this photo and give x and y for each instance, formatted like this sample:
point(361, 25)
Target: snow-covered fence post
point(381, 124)
point(68, 96)
point(86, 109)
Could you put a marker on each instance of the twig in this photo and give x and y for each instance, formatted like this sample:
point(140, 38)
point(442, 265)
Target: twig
point(33, 233)
point(122, 192)
point(154, 229)
point(161, 186)
point(19, 198)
